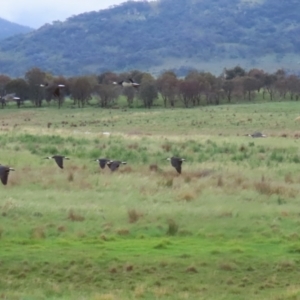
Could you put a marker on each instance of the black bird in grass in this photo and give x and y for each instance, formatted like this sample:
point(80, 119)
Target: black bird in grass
point(131, 83)
point(54, 89)
point(4, 171)
point(115, 164)
point(176, 163)
point(58, 159)
point(102, 162)
point(257, 134)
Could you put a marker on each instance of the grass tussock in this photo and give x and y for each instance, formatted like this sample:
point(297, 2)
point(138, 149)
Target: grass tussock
point(123, 231)
point(226, 214)
point(187, 196)
point(81, 234)
point(38, 233)
point(129, 268)
point(61, 228)
point(172, 227)
point(125, 170)
point(242, 148)
point(220, 181)
point(227, 266)
point(15, 179)
point(292, 292)
point(72, 216)
point(103, 237)
point(238, 179)
point(286, 265)
point(140, 291)
point(153, 167)
point(166, 147)
point(288, 178)
point(187, 179)
point(113, 270)
point(166, 182)
point(200, 174)
point(70, 177)
point(134, 215)
point(191, 269)
point(161, 292)
point(8, 206)
point(108, 296)
point(267, 188)
point(133, 146)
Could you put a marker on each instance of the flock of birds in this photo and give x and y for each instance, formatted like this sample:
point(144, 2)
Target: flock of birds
point(113, 165)
point(55, 89)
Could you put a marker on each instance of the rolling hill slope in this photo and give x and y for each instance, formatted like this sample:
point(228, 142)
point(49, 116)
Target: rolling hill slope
point(164, 34)
point(9, 29)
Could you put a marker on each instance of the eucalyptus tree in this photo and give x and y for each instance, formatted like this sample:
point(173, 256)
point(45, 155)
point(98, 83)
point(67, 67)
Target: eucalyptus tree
point(167, 84)
point(81, 89)
point(19, 87)
point(148, 90)
point(4, 80)
point(105, 90)
point(34, 78)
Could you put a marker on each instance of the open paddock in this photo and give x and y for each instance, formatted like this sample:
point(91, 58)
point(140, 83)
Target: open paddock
point(226, 228)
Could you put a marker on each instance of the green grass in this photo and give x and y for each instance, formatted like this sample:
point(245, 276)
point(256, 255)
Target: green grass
point(227, 228)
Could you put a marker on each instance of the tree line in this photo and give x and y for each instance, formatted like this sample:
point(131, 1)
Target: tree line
point(195, 89)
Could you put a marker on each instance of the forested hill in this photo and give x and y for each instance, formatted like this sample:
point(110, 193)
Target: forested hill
point(8, 29)
point(164, 34)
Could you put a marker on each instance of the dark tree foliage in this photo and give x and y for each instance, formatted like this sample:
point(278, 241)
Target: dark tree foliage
point(107, 94)
point(107, 77)
point(269, 84)
point(293, 86)
point(18, 86)
point(235, 72)
point(228, 87)
point(167, 85)
point(105, 89)
point(195, 89)
point(81, 90)
point(4, 80)
point(250, 84)
point(148, 93)
point(129, 93)
point(64, 91)
point(188, 91)
point(35, 77)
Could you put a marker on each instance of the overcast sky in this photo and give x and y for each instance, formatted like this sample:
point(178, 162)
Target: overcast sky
point(35, 13)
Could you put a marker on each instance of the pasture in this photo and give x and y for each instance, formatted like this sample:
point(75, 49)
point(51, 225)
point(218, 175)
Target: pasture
point(226, 228)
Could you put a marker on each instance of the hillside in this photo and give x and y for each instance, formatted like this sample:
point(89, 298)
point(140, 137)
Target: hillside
point(164, 34)
point(9, 29)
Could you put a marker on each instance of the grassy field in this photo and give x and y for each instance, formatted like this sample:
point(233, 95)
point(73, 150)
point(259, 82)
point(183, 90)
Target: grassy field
point(227, 228)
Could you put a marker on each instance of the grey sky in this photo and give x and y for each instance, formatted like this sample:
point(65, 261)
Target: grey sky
point(35, 13)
